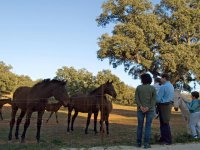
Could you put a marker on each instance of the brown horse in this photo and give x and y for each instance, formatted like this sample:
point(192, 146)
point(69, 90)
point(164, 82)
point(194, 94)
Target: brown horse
point(90, 104)
point(106, 110)
point(53, 108)
point(34, 99)
point(3, 102)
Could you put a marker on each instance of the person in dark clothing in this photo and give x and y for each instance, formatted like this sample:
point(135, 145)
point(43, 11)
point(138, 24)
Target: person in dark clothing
point(165, 97)
point(145, 97)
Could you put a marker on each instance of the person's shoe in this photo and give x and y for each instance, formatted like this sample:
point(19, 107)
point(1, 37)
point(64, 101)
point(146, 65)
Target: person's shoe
point(160, 141)
point(165, 143)
point(195, 137)
point(139, 144)
point(147, 146)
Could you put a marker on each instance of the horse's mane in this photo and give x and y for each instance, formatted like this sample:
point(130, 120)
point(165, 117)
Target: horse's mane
point(47, 81)
point(94, 91)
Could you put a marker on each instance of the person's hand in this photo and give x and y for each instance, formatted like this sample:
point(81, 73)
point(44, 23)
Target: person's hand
point(146, 109)
point(142, 109)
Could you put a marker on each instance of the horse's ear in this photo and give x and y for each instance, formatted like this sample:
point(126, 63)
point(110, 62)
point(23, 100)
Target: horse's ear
point(111, 81)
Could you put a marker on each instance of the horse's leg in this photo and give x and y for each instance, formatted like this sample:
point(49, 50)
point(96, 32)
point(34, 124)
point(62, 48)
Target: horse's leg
point(107, 123)
point(88, 122)
point(101, 125)
point(12, 121)
point(26, 125)
point(56, 117)
point(73, 119)
point(49, 117)
point(19, 119)
point(69, 117)
point(102, 119)
point(95, 122)
point(1, 114)
point(39, 123)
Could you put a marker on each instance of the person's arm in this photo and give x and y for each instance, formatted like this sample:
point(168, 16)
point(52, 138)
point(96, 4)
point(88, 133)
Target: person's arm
point(160, 94)
point(192, 106)
point(153, 99)
point(137, 99)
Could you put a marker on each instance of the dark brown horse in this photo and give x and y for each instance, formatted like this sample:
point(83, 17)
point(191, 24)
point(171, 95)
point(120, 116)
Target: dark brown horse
point(34, 99)
point(3, 102)
point(53, 108)
point(90, 104)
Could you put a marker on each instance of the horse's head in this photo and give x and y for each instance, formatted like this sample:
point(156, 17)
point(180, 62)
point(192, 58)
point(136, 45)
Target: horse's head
point(109, 89)
point(177, 98)
point(60, 92)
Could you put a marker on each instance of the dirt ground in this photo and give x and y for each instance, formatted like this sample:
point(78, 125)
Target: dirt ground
point(191, 146)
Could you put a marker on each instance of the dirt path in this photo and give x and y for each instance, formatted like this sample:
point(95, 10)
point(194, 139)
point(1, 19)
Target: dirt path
point(190, 146)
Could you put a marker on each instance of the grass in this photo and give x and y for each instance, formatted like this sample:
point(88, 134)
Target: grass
point(123, 123)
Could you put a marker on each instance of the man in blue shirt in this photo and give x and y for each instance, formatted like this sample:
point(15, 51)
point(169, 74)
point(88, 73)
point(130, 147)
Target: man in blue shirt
point(164, 100)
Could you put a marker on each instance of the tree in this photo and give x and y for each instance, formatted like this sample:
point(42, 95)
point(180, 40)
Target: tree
point(24, 80)
point(160, 39)
point(8, 80)
point(79, 81)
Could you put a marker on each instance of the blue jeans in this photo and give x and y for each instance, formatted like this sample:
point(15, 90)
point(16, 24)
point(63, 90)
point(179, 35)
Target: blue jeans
point(149, 117)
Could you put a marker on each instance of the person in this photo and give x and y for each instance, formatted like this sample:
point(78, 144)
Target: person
point(164, 99)
point(145, 97)
point(157, 84)
point(194, 108)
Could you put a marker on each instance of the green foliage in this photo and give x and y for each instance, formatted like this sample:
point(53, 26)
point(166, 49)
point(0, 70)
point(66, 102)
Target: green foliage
point(7, 78)
point(79, 81)
point(10, 81)
point(162, 38)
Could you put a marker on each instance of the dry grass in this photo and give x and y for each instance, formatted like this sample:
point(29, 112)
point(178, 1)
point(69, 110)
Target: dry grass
point(123, 124)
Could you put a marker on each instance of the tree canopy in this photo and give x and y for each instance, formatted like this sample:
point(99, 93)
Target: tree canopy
point(9, 81)
point(158, 39)
point(82, 81)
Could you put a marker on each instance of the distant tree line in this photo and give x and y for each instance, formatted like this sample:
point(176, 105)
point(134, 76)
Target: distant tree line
point(78, 81)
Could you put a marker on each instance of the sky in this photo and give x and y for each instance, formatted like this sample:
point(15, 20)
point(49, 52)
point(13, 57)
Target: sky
point(37, 37)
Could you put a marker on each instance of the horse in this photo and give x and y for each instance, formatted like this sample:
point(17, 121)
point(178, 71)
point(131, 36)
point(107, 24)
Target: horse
point(53, 108)
point(34, 99)
point(106, 110)
point(90, 103)
point(3, 102)
point(180, 102)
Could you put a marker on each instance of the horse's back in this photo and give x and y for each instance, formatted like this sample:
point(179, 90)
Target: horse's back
point(84, 103)
point(20, 96)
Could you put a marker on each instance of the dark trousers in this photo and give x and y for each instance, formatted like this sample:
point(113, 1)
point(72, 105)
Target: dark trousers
point(164, 116)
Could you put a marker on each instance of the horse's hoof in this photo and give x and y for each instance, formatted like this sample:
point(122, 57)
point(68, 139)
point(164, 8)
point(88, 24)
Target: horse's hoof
point(22, 141)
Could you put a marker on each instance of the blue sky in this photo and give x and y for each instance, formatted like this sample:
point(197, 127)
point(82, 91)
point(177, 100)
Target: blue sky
point(37, 37)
